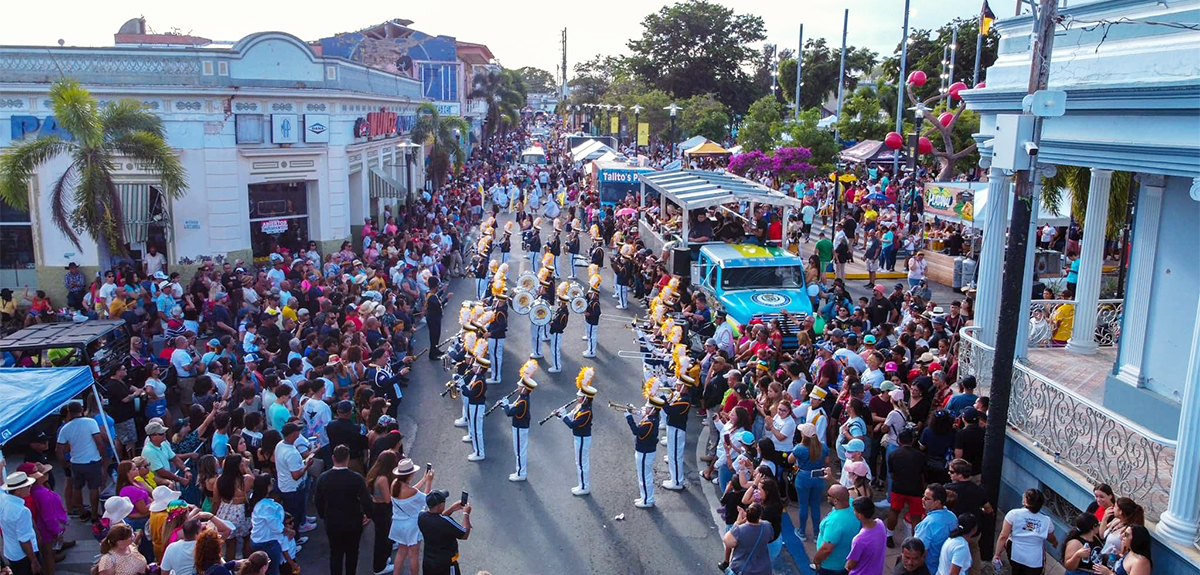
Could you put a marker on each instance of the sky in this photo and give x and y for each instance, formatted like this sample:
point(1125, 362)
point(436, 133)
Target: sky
point(519, 34)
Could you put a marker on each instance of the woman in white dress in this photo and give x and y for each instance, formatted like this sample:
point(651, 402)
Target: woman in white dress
point(408, 501)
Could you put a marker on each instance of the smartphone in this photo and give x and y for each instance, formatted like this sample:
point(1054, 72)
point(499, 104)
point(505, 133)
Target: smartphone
point(463, 501)
point(428, 467)
point(818, 473)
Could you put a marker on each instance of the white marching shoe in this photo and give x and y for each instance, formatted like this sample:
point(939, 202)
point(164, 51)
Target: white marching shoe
point(672, 486)
point(466, 439)
point(642, 504)
point(460, 422)
point(515, 478)
point(473, 457)
point(579, 491)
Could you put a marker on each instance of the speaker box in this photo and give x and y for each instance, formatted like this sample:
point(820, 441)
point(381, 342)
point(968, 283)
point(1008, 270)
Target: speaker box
point(681, 262)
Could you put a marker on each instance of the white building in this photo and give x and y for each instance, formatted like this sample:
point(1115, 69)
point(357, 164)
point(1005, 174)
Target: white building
point(281, 147)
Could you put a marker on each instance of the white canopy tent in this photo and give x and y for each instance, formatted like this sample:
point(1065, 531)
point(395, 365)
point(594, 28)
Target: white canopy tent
point(699, 189)
point(589, 150)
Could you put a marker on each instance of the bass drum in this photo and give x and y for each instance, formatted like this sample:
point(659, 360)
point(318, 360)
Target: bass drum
point(528, 282)
point(578, 304)
point(540, 313)
point(574, 291)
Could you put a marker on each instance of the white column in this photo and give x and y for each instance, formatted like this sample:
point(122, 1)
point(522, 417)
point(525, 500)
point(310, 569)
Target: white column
point(1141, 276)
point(1035, 207)
point(1180, 521)
point(991, 255)
point(1091, 259)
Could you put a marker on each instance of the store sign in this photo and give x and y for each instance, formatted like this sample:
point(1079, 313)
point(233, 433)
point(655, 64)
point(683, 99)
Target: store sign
point(274, 227)
point(316, 128)
point(23, 126)
point(191, 224)
point(376, 124)
point(950, 202)
point(285, 128)
point(448, 108)
point(618, 177)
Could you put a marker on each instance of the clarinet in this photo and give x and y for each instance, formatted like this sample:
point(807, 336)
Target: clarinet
point(548, 417)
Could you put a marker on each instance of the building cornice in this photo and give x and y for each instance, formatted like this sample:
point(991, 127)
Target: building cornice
point(1135, 99)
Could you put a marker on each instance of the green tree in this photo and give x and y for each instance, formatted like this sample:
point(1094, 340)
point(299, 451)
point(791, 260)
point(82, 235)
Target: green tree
point(1072, 183)
point(84, 199)
point(653, 113)
point(757, 128)
point(699, 47)
point(805, 133)
point(925, 54)
point(537, 80)
point(444, 134)
point(702, 115)
point(593, 77)
point(861, 119)
point(504, 93)
point(821, 65)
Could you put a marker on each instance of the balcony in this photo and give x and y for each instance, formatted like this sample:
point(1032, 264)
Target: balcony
point(1068, 424)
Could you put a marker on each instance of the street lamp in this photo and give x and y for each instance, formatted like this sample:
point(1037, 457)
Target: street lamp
point(672, 109)
point(637, 112)
point(619, 109)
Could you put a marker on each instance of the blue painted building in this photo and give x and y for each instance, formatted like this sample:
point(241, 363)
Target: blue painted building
point(282, 146)
point(1120, 404)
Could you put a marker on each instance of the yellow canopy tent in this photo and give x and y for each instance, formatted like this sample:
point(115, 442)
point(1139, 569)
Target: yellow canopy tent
point(707, 149)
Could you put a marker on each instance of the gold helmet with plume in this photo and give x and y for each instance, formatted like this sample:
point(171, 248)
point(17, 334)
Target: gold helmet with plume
point(583, 381)
point(480, 352)
point(526, 374)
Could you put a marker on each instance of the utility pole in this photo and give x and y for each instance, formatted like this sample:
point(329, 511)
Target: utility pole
point(1014, 269)
point(841, 75)
point(900, 92)
point(564, 64)
point(799, 69)
point(978, 50)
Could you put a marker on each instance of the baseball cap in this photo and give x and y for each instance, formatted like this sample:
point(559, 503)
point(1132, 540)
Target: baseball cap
point(897, 394)
point(970, 415)
point(855, 445)
point(891, 366)
point(887, 386)
point(345, 406)
point(838, 332)
point(288, 429)
point(869, 339)
point(435, 498)
point(214, 342)
point(746, 437)
point(898, 287)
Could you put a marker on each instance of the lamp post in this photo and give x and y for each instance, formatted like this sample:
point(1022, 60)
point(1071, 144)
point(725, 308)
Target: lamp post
point(672, 109)
point(637, 126)
point(900, 90)
point(619, 108)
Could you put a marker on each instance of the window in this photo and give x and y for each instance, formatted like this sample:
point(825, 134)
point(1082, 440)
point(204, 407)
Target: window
point(790, 277)
point(222, 68)
point(278, 218)
point(16, 248)
point(208, 68)
point(249, 128)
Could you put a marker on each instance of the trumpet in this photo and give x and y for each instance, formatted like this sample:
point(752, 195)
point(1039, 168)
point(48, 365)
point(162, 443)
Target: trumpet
point(448, 340)
point(627, 408)
point(497, 404)
point(555, 412)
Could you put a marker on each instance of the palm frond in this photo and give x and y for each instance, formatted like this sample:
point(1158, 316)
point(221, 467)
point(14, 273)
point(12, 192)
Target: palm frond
point(124, 116)
point(1118, 199)
point(76, 112)
point(150, 149)
point(18, 164)
point(97, 202)
point(60, 212)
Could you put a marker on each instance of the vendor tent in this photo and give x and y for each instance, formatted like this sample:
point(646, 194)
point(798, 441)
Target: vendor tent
point(871, 152)
point(692, 142)
point(696, 189)
point(707, 149)
point(589, 151)
point(32, 394)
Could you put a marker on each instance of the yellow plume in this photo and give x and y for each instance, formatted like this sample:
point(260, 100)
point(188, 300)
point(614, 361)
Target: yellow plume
point(481, 348)
point(527, 370)
point(585, 376)
point(469, 340)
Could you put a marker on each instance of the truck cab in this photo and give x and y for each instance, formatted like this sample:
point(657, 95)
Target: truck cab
point(750, 282)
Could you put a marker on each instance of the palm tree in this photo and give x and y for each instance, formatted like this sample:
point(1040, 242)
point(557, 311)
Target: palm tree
point(444, 133)
point(1075, 182)
point(504, 93)
point(84, 199)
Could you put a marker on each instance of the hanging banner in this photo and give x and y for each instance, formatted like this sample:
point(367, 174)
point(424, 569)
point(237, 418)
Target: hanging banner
point(616, 123)
point(950, 202)
point(643, 133)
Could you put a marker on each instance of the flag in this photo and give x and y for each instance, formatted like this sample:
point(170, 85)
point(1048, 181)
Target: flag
point(986, 18)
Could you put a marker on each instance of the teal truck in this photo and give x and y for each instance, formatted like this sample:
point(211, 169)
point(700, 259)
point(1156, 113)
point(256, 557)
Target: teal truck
point(752, 283)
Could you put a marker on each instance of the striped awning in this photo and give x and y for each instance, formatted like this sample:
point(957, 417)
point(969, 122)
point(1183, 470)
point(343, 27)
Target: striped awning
point(135, 211)
point(381, 185)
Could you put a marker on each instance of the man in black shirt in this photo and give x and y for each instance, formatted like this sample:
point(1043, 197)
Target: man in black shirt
point(968, 497)
point(121, 408)
point(433, 317)
point(912, 558)
point(343, 431)
point(906, 471)
point(968, 442)
point(442, 534)
point(701, 231)
point(343, 503)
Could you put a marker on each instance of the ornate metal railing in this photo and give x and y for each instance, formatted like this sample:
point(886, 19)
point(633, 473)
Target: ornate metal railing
point(1076, 432)
point(1108, 321)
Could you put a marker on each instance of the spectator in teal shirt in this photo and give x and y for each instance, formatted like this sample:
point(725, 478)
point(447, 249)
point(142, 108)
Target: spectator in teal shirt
point(1073, 274)
point(837, 534)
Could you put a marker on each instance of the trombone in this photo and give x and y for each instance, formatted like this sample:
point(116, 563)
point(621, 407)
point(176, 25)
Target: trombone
point(628, 354)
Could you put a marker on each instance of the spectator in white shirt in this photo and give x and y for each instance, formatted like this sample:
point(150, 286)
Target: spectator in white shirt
point(16, 523)
point(80, 436)
point(290, 469)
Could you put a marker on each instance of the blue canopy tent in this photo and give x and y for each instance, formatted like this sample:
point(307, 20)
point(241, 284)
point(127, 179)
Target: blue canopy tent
point(31, 395)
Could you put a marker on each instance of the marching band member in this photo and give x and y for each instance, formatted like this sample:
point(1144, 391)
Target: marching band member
point(539, 332)
point(596, 255)
point(558, 324)
point(645, 433)
point(506, 242)
point(519, 412)
point(462, 368)
point(379, 373)
point(676, 414)
point(475, 390)
point(618, 240)
point(533, 240)
point(625, 270)
point(497, 329)
point(591, 317)
point(554, 248)
point(479, 267)
point(580, 422)
point(572, 248)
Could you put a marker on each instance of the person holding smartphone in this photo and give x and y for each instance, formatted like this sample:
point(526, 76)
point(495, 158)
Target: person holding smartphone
point(441, 533)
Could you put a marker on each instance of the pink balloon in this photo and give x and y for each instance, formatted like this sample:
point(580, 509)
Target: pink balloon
point(980, 85)
point(893, 140)
point(945, 118)
point(924, 146)
point(955, 88)
point(917, 78)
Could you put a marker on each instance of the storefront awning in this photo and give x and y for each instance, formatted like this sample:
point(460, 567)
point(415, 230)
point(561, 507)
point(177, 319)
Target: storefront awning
point(381, 185)
point(696, 189)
